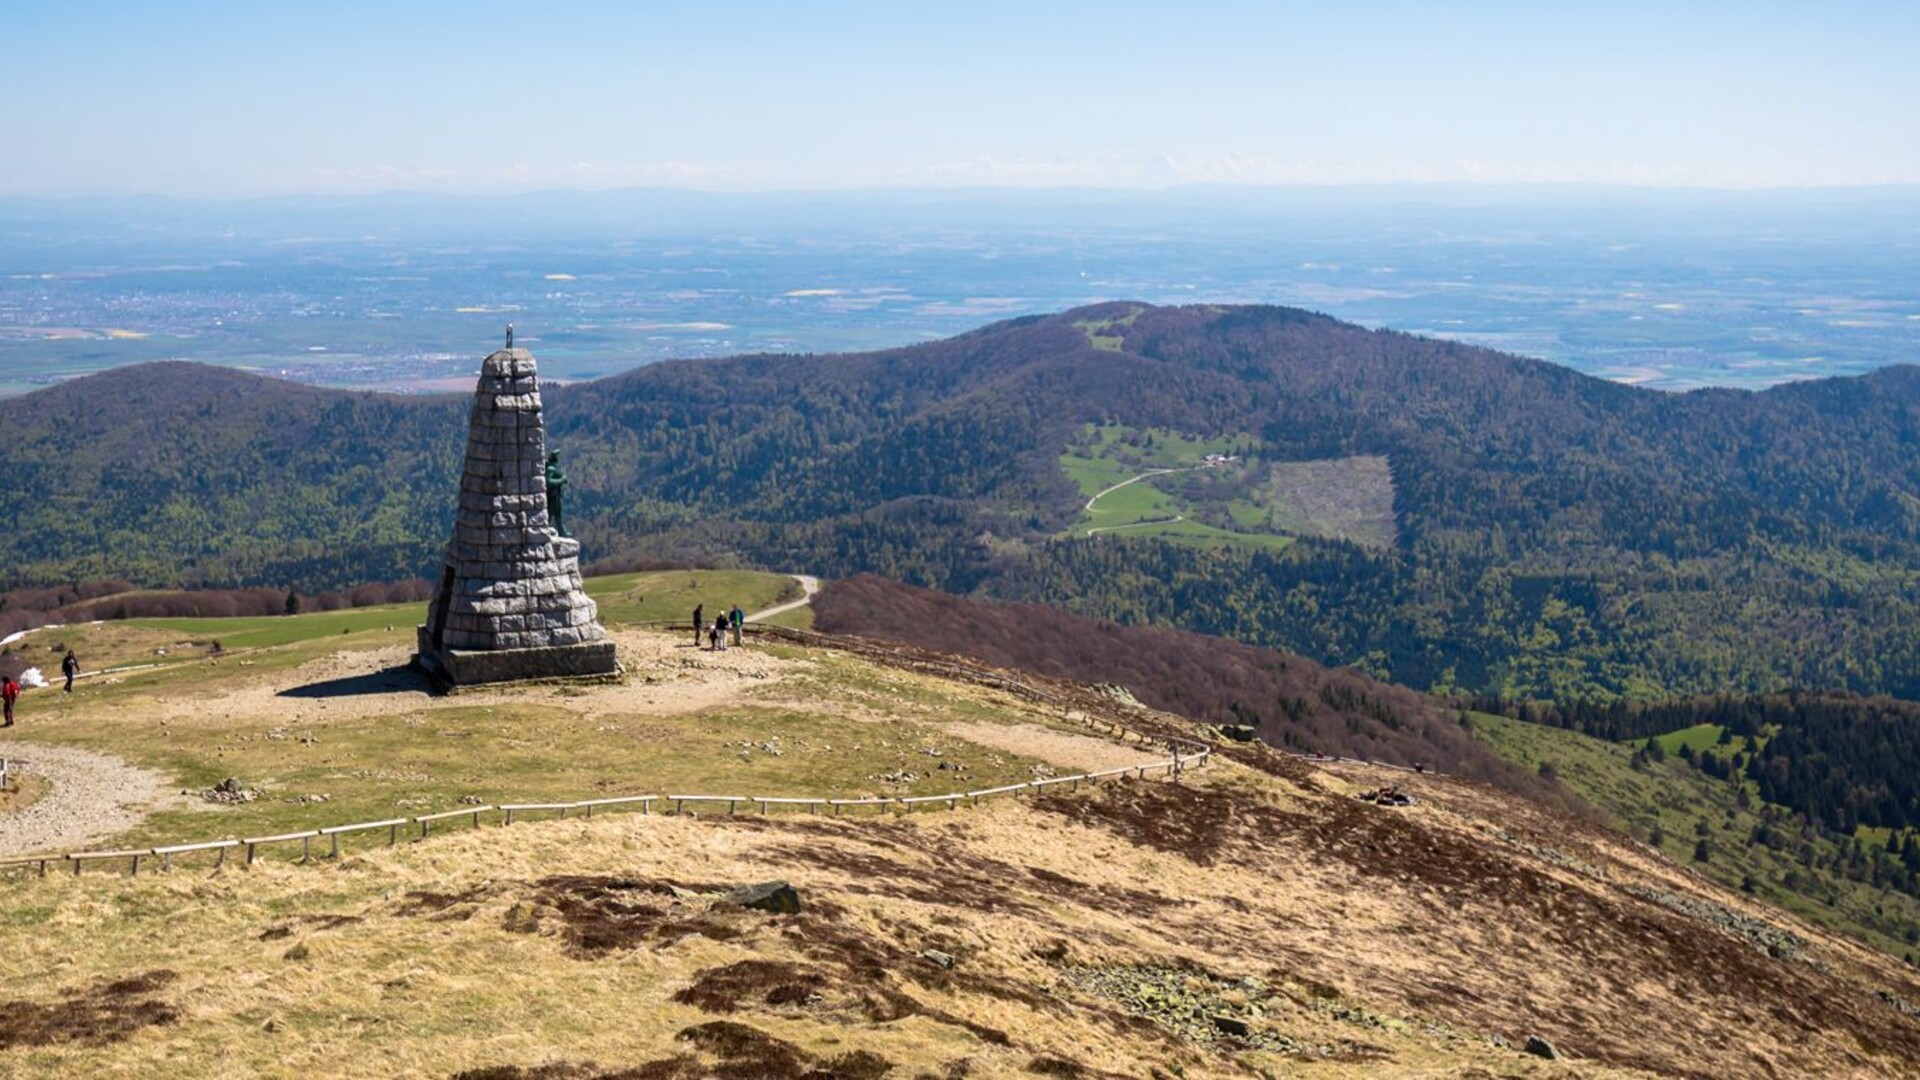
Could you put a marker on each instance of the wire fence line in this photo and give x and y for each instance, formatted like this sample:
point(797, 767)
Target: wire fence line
point(1184, 754)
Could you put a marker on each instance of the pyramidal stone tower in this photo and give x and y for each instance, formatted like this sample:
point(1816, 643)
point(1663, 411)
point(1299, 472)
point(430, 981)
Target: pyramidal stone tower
point(510, 605)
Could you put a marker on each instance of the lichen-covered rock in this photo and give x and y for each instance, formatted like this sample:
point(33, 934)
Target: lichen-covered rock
point(775, 896)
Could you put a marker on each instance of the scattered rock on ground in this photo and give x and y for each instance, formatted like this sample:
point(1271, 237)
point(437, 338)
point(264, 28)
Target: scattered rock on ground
point(1768, 938)
point(775, 896)
point(230, 791)
point(1541, 1048)
point(1905, 1007)
point(1232, 1025)
point(1197, 1007)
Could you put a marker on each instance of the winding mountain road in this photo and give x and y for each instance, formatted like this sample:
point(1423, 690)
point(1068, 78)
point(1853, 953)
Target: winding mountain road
point(1134, 480)
point(809, 585)
point(1098, 495)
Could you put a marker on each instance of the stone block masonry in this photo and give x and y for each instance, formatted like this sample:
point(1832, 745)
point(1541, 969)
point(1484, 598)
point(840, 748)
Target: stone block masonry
point(510, 605)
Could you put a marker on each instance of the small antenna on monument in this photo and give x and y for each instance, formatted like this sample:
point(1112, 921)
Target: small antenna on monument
point(509, 335)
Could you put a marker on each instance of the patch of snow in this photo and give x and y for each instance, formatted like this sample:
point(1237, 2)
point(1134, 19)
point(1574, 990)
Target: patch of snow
point(18, 634)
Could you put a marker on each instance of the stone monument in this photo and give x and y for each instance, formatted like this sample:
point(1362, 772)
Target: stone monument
point(510, 605)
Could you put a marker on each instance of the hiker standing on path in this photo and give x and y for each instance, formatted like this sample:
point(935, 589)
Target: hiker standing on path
point(9, 693)
point(70, 667)
point(699, 623)
point(738, 618)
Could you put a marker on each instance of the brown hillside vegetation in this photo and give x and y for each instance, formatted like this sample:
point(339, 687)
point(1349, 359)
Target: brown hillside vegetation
point(1249, 918)
point(1291, 701)
point(1097, 934)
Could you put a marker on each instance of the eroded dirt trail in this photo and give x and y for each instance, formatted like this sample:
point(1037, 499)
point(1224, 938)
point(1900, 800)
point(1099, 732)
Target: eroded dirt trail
point(666, 676)
point(89, 796)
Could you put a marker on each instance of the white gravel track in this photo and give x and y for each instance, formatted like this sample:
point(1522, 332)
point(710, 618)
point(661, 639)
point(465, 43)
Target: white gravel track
point(88, 796)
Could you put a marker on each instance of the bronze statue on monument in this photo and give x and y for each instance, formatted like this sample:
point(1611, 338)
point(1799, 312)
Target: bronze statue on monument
point(556, 492)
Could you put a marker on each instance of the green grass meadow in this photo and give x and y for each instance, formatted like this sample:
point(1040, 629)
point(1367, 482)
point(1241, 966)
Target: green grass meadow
point(1110, 454)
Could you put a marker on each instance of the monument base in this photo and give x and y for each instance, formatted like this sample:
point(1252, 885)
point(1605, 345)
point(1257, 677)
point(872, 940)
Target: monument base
point(451, 669)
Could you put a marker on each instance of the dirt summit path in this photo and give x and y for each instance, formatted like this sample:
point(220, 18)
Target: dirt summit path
point(89, 796)
point(665, 675)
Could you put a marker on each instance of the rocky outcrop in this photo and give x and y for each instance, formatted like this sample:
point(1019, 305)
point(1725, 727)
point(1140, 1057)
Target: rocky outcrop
point(774, 896)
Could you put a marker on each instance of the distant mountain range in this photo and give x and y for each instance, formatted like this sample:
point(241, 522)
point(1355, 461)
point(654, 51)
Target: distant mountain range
point(1550, 534)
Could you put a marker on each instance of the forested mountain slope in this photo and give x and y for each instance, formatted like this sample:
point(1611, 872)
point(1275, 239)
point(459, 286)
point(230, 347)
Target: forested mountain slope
point(1555, 535)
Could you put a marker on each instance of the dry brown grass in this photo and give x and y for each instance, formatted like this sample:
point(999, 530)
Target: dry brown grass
point(22, 790)
point(565, 947)
point(1379, 941)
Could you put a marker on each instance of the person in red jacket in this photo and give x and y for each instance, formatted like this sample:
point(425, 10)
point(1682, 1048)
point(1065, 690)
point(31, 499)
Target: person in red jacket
point(9, 693)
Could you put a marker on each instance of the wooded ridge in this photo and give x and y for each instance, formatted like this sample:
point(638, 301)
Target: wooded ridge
point(1556, 536)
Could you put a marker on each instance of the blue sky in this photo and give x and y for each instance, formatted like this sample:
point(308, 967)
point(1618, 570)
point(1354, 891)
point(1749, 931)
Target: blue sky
point(266, 98)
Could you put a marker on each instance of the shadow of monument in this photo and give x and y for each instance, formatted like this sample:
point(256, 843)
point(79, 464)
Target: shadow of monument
point(405, 679)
